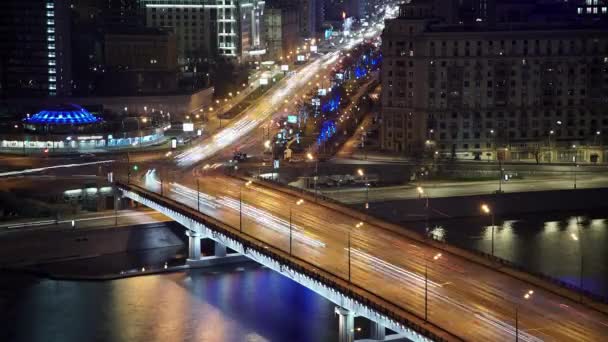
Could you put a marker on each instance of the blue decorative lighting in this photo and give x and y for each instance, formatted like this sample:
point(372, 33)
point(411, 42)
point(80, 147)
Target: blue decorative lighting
point(70, 114)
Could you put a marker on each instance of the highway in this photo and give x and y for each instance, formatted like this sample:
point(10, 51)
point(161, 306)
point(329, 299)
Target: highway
point(471, 301)
point(285, 92)
point(437, 189)
point(86, 221)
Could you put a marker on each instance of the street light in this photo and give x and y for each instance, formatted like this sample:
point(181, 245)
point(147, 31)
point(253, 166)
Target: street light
point(486, 210)
point(362, 174)
point(426, 284)
point(421, 193)
point(526, 296)
point(311, 158)
point(298, 202)
point(241, 205)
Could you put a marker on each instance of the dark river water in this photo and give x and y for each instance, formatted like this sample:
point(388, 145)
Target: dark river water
point(244, 303)
point(548, 243)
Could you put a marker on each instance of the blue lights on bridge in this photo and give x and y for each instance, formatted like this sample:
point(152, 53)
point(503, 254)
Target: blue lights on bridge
point(65, 115)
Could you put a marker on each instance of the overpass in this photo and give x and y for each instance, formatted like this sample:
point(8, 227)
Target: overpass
point(369, 268)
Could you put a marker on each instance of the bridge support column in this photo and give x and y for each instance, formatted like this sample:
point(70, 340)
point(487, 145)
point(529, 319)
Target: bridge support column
point(346, 325)
point(194, 245)
point(219, 250)
point(377, 331)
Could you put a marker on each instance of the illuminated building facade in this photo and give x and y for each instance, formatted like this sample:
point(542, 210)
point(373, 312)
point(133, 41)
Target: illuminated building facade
point(210, 28)
point(34, 48)
point(527, 90)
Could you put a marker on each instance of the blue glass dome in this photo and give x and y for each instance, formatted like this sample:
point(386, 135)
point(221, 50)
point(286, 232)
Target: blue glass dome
point(69, 114)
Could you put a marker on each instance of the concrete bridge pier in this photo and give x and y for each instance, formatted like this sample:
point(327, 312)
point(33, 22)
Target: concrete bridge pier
point(219, 257)
point(377, 331)
point(346, 325)
point(194, 245)
point(219, 250)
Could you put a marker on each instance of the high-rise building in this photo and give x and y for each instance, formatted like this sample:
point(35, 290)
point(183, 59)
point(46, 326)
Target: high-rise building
point(521, 88)
point(308, 18)
point(210, 28)
point(34, 48)
point(281, 31)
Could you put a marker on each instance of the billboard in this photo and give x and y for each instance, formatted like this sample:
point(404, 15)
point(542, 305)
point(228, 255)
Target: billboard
point(263, 81)
point(284, 67)
point(188, 127)
point(322, 92)
point(292, 119)
point(300, 58)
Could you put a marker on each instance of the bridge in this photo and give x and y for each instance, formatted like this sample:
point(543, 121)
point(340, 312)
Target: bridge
point(424, 291)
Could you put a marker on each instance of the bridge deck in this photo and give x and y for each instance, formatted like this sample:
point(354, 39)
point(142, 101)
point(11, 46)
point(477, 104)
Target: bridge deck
point(470, 300)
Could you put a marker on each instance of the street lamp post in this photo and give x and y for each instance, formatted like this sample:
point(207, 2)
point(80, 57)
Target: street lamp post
point(298, 202)
point(421, 193)
point(527, 296)
point(349, 244)
point(488, 211)
point(574, 166)
point(426, 285)
point(363, 174)
point(198, 196)
point(311, 157)
point(241, 205)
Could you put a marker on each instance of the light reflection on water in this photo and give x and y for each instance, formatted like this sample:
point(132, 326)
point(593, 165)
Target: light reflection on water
point(250, 303)
point(541, 242)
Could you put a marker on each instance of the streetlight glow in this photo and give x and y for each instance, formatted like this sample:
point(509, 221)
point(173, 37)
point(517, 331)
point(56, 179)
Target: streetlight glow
point(360, 172)
point(485, 208)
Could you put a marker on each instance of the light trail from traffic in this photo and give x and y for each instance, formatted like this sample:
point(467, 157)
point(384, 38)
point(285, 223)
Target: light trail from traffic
point(269, 103)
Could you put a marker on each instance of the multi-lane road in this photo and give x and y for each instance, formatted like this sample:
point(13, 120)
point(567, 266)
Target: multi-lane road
point(437, 189)
point(472, 301)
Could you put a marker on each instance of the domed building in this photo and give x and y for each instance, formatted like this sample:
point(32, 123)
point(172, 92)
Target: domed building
point(69, 128)
point(63, 118)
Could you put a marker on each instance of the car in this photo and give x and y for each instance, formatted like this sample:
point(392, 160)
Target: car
point(87, 155)
point(240, 157)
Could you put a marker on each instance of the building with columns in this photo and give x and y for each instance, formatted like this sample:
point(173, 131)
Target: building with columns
point(531, 87)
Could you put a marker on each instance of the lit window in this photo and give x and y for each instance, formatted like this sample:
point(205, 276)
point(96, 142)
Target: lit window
point(589, 10)
point(579, 10)
point(52, 62)
point(52, 54)
point(50, 14)
point(52, 71)
point(52, 79)
point(50, 5)
point(50, 30)
point(51, 46)
point(50, 22)
point(50, 38)
point(52, 86)
point(604, 10)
